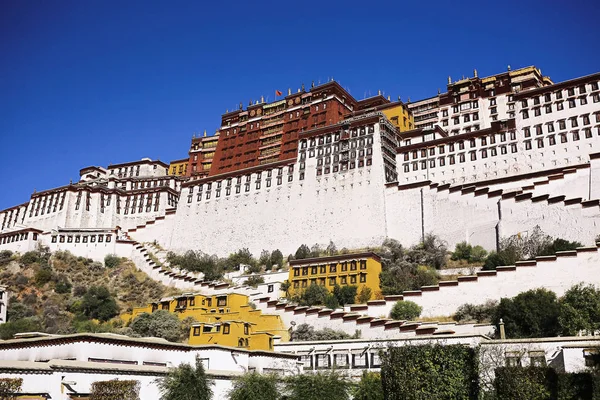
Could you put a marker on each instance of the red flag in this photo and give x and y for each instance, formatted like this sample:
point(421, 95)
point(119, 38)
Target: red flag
point(278, 93)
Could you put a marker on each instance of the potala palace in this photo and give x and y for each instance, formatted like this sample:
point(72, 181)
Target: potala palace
point(489, 158)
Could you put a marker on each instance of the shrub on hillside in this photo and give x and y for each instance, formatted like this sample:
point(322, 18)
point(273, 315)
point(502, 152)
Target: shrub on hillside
point(254, 280)
point(345, 294)
point(99, 304)
point(312, 296)
point(476, 312)
point(62, 284)
point(30, 257)
point(405, 310)
point(305, 332)
point(5, 257)
point(43, 275)
point(531, 314)
point(161, 323)
point(364, 294)
point(10, 328)
point(112, 261)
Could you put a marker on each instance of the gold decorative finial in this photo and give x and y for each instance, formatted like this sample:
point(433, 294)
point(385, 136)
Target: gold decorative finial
point(289, 91)
point(262, 99)
point(388, 97)
point(205, 133)
point(475, 73)
point(449, 80)
point(379, 92)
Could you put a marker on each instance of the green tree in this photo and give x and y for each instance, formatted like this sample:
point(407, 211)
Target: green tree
point(324, 385)
point(254, 280)
point(405, 310)
point(331, 249)
point(369, 387)
point(62, 284)
point(285, 287)
point(30, 257)
point(478, 254)
point(305, 332)
point(43, 275)
point(98, 303)
point(364, 294)
point(241, 257)
point(430, 372)
point(345, 294)
point(161, 323)
point(530, 314)
point(115, 390)
point(5, 257)
point(302, 252)
point(462, 251)
point(277, 258)
point(532, 383)
point(186, 382)
point(579, 310)
point(313, 295)
point(10, 386)
point(265, 259)
point(11, 328)
point(476, 312)
point(254, 386)
point(112, 261)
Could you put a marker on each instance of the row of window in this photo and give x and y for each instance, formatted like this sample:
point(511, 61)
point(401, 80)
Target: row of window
point(81, 238)
point(343, 166)
point(211, 329)
point(441, 149)
point(559, 94)
point(341, 360)
point(17, 237)
point(343, 280)
point(47, 204)
point(537, 111)
point(562, 124)
point(333, 268)
point(328, 139)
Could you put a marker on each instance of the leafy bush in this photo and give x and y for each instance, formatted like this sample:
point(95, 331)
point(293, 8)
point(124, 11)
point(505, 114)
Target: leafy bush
point(525, 383)
point(313, 295)
point(184, 380)
point(62, 284)
point(99, 304)
point(254, 280)
point(345, 294)
point(112, 261)
point(369, 387)
point(9, 386)
point(254, 386)
point(115, 390)
point(319, 386)
point(161, 323)
point(42, 276)
point(305, 332)
point(409, 269)
point(579, 310)
point(30, 257)
point(405, 310)
point(11, 328)
point(530, 314)
point(464, 251)
point(5, 257)
point(430, 372)
point(364, 294)
point(476, 312)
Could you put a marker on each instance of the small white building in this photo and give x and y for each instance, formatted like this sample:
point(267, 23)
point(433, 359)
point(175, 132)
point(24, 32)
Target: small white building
point(67, 365)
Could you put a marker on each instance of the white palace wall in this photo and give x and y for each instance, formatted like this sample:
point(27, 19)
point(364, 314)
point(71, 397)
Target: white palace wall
point(345, 207)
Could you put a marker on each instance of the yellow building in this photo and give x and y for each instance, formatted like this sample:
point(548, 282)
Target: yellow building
point(179, 167)
point(359, 269)
point(246, 327)
point(399, 115)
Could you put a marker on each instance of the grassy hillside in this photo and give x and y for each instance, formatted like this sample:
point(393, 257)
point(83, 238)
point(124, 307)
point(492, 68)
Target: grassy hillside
point(61, 293)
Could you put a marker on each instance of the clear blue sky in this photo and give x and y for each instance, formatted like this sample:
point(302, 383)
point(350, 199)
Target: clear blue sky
point(97, 82)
